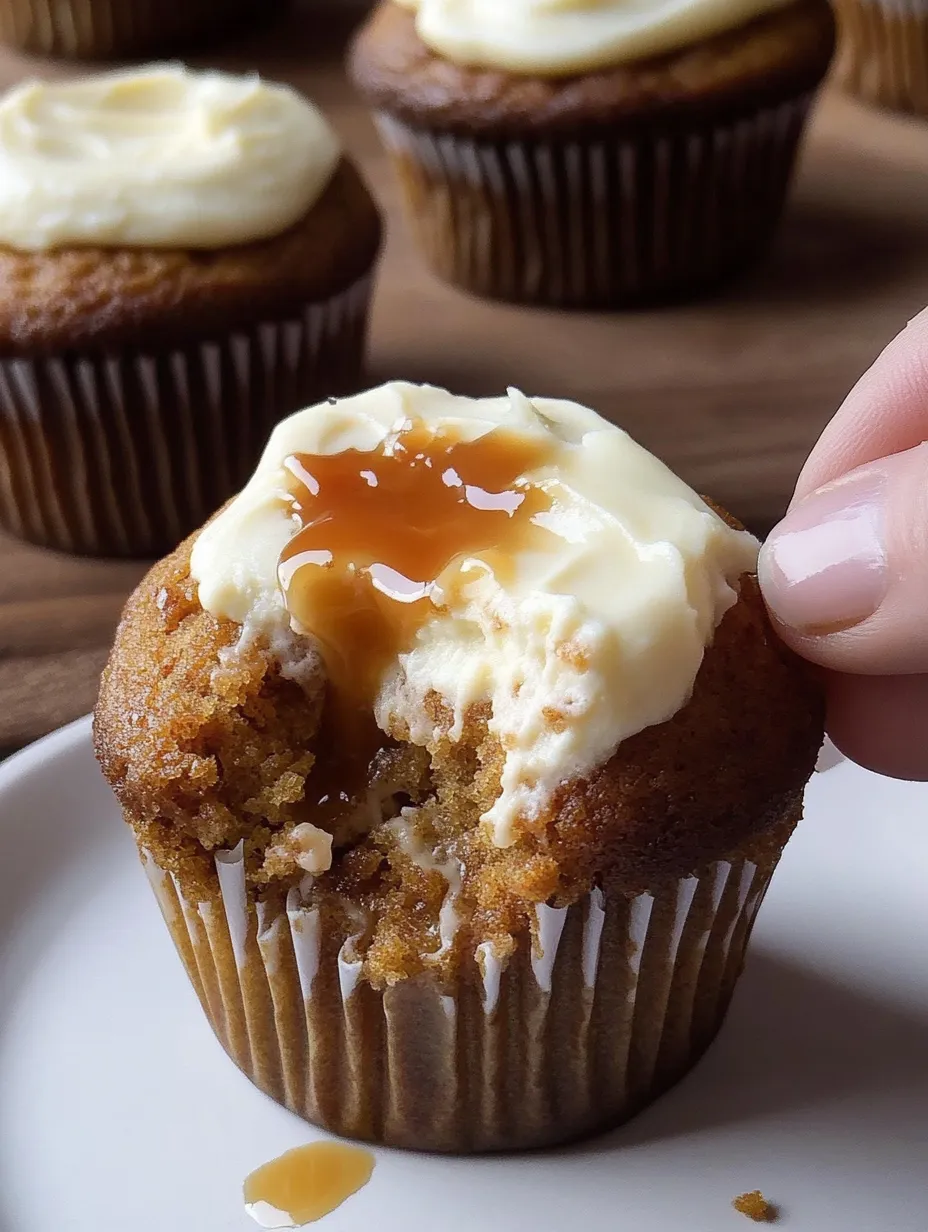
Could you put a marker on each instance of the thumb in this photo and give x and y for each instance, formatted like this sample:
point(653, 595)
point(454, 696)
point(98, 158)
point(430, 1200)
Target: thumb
point(845, 574)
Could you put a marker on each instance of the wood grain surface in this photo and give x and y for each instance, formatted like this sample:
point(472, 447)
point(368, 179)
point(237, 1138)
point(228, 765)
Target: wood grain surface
point(731, 392)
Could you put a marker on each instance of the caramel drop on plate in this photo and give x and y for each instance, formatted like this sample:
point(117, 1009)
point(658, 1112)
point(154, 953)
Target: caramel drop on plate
point(306, 1183)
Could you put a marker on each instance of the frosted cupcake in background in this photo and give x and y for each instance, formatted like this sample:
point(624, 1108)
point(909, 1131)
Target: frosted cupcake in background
point(590, 154)
point(185, 258)
point(460, 754)
point(112, 29)
point(883, 52)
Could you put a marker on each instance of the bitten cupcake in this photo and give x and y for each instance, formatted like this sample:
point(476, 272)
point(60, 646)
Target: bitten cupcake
point(460, 754)
point(185, 258)
point(590, 154)
point(110, 29)
point(883, 52)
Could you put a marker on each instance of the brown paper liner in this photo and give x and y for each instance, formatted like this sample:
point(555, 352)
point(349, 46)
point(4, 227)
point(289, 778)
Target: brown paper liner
point(611, 220)
point(104, 29)
point(125, 454)
point(883, 52)
point(616, 1000)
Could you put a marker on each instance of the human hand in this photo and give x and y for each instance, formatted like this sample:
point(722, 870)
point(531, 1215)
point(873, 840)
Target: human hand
point(845, 574)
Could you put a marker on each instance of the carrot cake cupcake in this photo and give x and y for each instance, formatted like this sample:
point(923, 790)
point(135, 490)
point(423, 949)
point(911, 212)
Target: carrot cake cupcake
point(594, 152)
point(185, 258)
point(460, 754)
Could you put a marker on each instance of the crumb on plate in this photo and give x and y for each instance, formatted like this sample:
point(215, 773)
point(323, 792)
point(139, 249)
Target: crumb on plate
point(756, 1207)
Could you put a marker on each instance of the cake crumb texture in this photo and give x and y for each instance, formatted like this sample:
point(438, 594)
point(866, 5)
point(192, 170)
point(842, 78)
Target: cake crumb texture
point(755, 1206)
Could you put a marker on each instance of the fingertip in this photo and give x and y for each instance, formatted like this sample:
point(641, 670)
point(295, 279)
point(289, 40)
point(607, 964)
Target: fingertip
point(823, 569)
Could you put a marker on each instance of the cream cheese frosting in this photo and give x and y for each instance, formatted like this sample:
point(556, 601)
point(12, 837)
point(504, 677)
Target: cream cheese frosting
point(594, 634)
point(159, 157)
point(559, 37)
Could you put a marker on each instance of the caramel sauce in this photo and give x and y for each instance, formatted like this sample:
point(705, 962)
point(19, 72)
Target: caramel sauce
point(307, 1183)
point(380, 532)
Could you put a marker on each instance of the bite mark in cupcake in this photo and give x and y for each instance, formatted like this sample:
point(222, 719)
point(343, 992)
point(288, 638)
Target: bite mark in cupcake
point(438, 546)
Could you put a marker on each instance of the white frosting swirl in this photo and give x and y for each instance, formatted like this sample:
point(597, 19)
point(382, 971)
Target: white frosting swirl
point(158, 158)
point(559, 37)
point(587, 642)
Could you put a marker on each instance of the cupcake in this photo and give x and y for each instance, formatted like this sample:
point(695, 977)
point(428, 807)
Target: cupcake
point(460, 754)
point(114, 29)
point(185, 258)
point(883, 52)
point(592, 154)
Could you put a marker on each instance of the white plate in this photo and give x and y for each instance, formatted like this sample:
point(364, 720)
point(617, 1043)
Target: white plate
point(120, 1113)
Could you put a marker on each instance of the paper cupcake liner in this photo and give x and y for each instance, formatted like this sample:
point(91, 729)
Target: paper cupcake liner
point(125, 454)
point(615, 1000)
point(104, 29)
point(883, 52)
point(592, 223)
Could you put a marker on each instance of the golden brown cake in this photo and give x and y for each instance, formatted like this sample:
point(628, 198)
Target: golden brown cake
point(526, 915)
point(164, 303)
point(593, 163)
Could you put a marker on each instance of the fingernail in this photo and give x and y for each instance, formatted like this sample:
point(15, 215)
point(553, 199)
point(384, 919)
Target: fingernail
point(824, 567)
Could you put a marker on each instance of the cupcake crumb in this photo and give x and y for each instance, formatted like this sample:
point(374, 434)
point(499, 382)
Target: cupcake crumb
point(755, 1206)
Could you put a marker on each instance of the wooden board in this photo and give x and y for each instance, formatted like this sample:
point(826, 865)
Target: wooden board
point(731, 393)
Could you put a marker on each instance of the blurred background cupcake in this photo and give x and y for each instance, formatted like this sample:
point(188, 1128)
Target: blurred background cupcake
point(883, 52)
point(593, 154)
point(184, 259)
point(106, 29)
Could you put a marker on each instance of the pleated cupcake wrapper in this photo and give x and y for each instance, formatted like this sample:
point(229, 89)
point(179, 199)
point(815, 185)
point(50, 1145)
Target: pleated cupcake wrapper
point(103, 29)
point(591, 223)
point(613, 1002)
point(883, 52)
point(126, 453)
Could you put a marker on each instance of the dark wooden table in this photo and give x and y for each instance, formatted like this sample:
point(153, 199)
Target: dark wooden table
point(732, 392)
